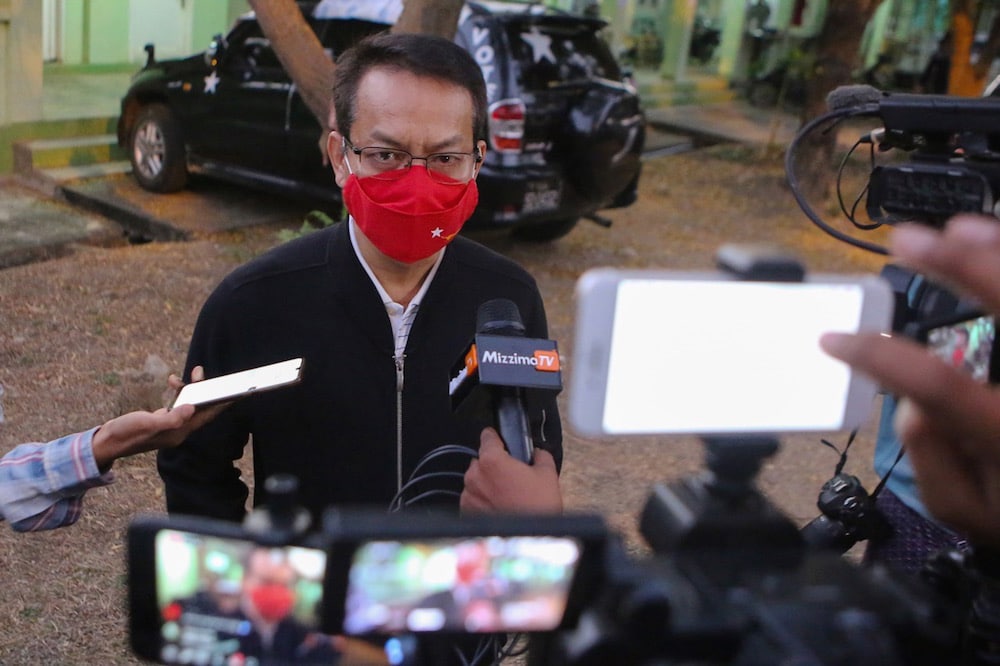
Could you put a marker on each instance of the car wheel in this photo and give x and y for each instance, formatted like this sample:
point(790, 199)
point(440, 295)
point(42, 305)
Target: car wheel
point(156, 150)
point(539, 232)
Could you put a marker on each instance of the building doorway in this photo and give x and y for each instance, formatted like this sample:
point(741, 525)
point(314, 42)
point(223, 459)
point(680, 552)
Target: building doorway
point(52, 29)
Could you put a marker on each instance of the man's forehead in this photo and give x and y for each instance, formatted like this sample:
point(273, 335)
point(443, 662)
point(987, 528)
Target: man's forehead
point(394, 81)
point(395, 108)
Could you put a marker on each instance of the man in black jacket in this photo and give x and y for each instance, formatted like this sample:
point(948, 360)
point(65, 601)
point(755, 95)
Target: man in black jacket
point(380, 307)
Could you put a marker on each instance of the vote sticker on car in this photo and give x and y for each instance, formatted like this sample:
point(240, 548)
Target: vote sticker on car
point(541, 195)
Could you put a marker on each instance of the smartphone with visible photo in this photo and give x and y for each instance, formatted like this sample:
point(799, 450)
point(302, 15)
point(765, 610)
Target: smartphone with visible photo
point(448, 575)
point(204, 592)
point(966, 344)
point(662, 352)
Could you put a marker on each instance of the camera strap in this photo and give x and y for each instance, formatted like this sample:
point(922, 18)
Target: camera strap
point(884, 479)
point(843, 454)
point(843, 461)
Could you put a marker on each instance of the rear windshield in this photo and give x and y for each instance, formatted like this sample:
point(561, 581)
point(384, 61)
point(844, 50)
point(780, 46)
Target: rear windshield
point(552, 55)
point(337, 35)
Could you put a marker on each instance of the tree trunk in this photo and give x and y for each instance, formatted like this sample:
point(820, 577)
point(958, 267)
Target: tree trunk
point(430, 17)
point(836, 58)
point(301, 54)
point(965, 78)
point(962, 78)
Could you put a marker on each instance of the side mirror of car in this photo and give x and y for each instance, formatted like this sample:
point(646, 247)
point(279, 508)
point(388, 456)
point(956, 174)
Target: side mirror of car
point(216, 49)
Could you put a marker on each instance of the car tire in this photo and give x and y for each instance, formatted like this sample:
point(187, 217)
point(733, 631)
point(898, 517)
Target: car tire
point(540, 232)
point(156, 150)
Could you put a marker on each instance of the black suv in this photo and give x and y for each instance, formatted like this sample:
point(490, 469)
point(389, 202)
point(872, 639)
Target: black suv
point(565, 127)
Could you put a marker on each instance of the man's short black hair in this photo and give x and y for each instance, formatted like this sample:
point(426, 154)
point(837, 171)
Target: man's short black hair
point(423, 55)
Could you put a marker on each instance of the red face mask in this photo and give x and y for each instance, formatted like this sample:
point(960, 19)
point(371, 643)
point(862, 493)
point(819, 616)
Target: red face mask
point(273, 602)
point(411, 218)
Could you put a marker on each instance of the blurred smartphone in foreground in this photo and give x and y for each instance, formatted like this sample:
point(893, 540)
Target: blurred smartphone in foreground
point(660, 352)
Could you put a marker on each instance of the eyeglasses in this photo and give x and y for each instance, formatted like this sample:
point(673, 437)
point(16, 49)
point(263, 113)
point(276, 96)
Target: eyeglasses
point(393, 164)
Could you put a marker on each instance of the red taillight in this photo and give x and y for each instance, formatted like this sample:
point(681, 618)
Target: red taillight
point(507, 125)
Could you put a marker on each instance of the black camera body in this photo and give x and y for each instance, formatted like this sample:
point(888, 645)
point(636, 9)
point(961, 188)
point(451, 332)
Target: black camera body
point(730, 581)
point(847, 515)
point(955, 160)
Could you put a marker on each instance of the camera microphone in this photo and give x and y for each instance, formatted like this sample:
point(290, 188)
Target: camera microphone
point(491, 378)
point(845, 97)
point(861, 98)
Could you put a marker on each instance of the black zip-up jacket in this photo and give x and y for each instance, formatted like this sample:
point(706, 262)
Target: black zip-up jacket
point(336, 431)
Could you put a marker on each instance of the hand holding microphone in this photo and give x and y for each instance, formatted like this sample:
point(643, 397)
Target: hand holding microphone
point(489, 383)
point(491, 378)
point(497, 482)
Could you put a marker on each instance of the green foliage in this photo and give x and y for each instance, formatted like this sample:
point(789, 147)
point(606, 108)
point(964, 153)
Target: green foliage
point(111, 379)
point(315, 220)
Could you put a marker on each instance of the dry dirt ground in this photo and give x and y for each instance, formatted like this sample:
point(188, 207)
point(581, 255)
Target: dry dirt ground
point(75, 333)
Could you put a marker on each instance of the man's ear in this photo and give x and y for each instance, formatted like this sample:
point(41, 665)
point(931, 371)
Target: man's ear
point(338, 160)
point(481, 145)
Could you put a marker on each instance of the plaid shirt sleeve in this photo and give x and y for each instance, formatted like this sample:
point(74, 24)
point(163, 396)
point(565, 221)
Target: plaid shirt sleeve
point(42, 485)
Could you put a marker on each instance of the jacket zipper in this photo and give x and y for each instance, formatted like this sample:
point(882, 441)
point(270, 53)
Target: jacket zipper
point(398, 360)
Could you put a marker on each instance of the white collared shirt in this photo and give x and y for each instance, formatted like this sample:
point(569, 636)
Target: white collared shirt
point(400, 318)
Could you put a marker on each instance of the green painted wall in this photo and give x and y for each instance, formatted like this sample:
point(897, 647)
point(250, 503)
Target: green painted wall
point(97, 31)
point(72, 32)
point(210, 18)
point(109, 31)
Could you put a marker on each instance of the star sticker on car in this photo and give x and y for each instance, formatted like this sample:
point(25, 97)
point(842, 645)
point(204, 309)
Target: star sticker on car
point(211, 83)
point(541, 45)
point(437, 233)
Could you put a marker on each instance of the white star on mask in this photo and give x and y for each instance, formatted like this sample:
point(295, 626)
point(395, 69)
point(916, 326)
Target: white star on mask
point(211, 82)
point(436, 233)
point(541, 45)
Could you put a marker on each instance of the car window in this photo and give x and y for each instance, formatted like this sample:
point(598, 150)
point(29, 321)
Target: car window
point(259, 55)
point(249, 55)
point(337, 35)
point(552, 55)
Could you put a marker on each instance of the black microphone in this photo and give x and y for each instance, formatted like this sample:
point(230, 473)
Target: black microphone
point(491, 378)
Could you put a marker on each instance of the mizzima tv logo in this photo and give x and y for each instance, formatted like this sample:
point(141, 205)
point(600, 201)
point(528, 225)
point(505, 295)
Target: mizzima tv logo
point(544, 360)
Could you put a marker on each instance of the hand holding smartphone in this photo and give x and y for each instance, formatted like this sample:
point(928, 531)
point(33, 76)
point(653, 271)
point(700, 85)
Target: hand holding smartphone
point(240, 384)
point(660, 352)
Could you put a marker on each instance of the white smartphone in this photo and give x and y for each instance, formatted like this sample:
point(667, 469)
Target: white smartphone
point(660, 352)
point(239, 384)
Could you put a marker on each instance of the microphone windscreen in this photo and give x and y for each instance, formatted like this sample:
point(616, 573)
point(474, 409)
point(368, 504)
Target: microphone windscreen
point(844, 97)
point(499, 316)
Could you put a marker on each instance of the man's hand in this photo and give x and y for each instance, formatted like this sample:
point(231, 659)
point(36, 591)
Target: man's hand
point(949, 423)
point(138, 432)
point(497, 482)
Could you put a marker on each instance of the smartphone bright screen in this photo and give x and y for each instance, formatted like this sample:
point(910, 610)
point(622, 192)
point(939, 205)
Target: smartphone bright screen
point(217, 596)
point(467, 585)
point(240, 384)
point(692, 356)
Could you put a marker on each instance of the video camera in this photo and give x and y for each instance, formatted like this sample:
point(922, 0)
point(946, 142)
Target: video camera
point(953, 145)
point(729, 579)
point(955, 159)
point(953, 166)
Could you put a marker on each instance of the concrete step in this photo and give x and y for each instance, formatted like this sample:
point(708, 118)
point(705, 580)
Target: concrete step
point(53, 153)
point(655, 92)
point(70, 173)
